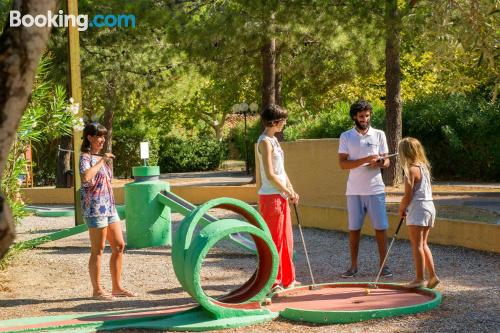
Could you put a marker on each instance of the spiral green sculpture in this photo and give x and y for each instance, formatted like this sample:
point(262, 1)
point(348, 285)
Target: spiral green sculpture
point(189, 250)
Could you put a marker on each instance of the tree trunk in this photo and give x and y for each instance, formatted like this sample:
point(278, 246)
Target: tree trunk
point(277, 89)
point(277, 80)
point(393, 103)
point(268, 52)
point(20, 52)
point(63, 162)
point(109, 114)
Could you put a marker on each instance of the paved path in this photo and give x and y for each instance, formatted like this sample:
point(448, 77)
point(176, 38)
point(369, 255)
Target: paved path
point(208, 178)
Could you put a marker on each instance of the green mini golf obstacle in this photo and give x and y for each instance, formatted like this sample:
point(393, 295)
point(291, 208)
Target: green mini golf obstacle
point(190, 248)
point(32, 243)
point(184, 207)
point(148, 221)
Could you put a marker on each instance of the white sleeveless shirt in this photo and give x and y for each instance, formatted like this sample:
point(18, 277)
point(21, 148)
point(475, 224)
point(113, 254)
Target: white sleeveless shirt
point(422, 191)
point(278, 161)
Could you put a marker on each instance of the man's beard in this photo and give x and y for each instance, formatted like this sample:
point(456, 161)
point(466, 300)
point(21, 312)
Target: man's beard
point(361, 126)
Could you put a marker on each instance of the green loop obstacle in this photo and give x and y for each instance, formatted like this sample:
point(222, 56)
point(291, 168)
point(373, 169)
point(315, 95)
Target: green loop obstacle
point(189, 250)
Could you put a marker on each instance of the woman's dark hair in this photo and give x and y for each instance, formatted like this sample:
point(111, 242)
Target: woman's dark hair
point(359, 106)
point(272, 113)
point(92, 129)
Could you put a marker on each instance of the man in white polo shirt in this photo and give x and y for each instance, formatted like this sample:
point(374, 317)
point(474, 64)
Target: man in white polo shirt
point(362, 150)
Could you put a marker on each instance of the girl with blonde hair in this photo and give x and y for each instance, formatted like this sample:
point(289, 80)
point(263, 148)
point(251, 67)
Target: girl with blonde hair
point(418, 208)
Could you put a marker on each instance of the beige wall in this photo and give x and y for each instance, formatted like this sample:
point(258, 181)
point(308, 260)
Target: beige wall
point(473, 235)
point(194, 194)
point(313, 169)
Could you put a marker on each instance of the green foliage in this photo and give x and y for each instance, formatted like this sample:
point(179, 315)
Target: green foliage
point(461, 38)
point(127, 136)
point(237, 135)
point(460, 134)
point(179, 154)
point(319, 44)
point(47, 116)
point(328, 123)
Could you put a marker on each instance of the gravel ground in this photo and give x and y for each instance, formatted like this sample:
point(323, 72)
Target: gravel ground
point(53, 280)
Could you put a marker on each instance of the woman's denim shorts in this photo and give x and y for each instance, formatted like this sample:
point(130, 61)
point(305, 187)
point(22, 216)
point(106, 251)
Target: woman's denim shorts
point(100, 221)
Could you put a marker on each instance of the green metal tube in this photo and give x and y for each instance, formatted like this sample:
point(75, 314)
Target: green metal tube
point(147, 220)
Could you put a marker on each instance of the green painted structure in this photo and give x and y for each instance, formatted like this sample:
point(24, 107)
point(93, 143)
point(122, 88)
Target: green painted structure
point(29, 244)
point(148, 221)
point(190, 248)
point(184, 207)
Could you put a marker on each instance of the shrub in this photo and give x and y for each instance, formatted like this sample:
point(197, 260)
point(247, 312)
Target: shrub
point(329, 123)
point(460, 134)
point(237, 135)
point(179, 154)
point(127, 136)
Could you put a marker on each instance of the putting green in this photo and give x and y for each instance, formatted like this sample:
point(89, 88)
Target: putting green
point(350, 302)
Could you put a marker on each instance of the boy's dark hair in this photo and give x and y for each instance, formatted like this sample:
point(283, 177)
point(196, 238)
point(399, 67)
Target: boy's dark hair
point(92, 129)
point(272, 113)
point(360, 105)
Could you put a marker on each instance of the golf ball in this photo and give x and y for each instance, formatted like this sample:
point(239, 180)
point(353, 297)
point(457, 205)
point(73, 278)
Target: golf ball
point(367, 291)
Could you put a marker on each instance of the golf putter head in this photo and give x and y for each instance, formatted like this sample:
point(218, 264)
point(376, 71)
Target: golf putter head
point(372, 286)
point(314, 287)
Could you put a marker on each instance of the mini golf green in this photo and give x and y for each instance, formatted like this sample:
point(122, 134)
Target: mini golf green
point(351, 302)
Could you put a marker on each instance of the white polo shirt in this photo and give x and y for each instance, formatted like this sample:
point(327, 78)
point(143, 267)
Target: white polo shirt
point(364, 180)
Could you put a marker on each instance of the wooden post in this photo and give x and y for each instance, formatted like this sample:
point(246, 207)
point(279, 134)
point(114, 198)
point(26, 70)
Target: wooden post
point(75, 92)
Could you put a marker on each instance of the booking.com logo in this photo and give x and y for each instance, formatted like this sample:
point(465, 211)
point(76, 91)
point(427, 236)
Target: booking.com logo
point(80, 21)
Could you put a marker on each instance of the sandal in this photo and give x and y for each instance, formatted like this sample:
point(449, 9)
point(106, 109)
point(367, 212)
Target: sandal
point(124, 293)
point(276, 289)
point(103, 297)
point(414, 284)
point(432, 283)
point(294, 284)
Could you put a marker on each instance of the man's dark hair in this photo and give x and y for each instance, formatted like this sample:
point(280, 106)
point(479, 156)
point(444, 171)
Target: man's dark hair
point(360, 105)
point(272, 113)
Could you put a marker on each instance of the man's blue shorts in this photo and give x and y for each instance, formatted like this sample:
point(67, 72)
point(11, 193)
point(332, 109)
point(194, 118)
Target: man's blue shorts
point(100, 221)
point(374, 205)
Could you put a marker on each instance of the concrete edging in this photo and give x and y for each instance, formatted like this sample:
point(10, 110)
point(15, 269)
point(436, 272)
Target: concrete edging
point(469, 234)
